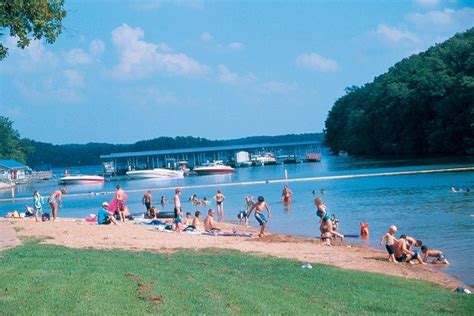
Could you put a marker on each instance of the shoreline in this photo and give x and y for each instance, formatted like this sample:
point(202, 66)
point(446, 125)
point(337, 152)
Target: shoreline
point(76, 233)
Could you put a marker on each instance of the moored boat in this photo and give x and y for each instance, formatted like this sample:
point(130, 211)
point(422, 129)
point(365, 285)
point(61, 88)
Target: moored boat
point(313, 157)
point(81, 179)
point(157, 173)
point(216, 167)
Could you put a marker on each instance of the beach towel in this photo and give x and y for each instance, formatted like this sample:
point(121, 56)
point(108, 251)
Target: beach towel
point(227, 234)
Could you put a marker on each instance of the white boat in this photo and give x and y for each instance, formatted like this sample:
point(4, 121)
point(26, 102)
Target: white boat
point(81, 179)
point(264, 159)
point(157, 173)
point(215, 167)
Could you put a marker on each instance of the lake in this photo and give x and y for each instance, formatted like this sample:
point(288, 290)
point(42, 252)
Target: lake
point(421, 205)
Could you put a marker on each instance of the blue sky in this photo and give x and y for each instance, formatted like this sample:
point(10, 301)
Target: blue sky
point(124, 71)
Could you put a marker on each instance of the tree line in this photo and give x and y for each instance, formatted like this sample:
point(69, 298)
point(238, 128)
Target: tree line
point(423, 106)
point(35, 153)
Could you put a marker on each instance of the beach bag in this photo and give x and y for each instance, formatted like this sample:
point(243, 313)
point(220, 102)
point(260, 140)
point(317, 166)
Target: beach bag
point(45, 217)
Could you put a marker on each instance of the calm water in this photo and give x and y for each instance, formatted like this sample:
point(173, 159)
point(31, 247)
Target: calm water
point(420, 205)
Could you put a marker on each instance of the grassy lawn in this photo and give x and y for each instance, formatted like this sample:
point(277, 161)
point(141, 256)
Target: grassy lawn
point(41, 279)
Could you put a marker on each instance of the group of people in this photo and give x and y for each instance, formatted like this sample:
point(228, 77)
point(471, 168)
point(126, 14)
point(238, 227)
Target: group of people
point(403, 249)
point(55, 201)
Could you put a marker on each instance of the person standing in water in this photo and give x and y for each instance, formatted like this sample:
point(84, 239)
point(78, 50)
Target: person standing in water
point(286, 195)
point(259, 216)
point(55, 201)
point(219, 197)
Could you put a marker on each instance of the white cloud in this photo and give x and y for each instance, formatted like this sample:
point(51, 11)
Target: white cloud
point(235, 46)
point(139, 58)
point(228, 77)
point(314, 61)
point(206, 37)
point(73, 77)
point(463, 17)
point(33, 58)
point(395, 35)
point(77, 56)
point(271, 87)
point(427, 3)
point(96, 47)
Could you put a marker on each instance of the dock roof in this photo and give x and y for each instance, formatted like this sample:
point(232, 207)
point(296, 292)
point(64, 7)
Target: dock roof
point(206, 149)
point(11, 164)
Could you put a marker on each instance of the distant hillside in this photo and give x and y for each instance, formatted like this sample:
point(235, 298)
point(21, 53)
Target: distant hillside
point(88, 154)
point(424, 105)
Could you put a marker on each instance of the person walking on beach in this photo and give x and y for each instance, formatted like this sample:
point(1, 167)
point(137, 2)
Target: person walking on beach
point(259, 216)
point(178, 212)
point(38, 202)
point(55, 201)
point(286, 195)
point(219, 197)
point(146, 200)
point(120, 198)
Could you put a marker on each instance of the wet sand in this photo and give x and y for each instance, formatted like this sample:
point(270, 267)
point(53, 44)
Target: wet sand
point(76, 233)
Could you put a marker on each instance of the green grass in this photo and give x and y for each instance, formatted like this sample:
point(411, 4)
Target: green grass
point(41, 279)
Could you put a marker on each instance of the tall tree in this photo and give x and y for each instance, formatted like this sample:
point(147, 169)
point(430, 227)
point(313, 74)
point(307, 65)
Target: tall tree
point(11, 145)
point(424, 105)
point(30, 19)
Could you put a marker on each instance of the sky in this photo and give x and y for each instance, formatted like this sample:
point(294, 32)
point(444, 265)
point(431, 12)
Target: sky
point(124, 71)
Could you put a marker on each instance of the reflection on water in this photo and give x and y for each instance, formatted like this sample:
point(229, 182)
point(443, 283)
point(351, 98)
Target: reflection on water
point(422, 206)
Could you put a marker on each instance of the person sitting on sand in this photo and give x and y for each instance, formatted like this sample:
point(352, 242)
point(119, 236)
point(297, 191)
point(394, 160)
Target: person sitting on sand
point(209, 225)
point(194, 224)
point(328, 233)
point(104, 217)
point(259, 216)
point(403, 253)
point(390, 242)
point(187, 219)
point(152, 212)
point(434, 253)
point(55, 201)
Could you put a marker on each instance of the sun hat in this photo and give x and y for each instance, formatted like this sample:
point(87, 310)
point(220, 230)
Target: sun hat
point(105, 204)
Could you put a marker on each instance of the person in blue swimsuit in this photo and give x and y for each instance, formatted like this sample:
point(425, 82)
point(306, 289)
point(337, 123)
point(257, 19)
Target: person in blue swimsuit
point(259, 216)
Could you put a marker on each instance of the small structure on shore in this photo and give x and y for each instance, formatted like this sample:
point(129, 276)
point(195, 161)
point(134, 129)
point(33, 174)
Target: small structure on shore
point(13, 172)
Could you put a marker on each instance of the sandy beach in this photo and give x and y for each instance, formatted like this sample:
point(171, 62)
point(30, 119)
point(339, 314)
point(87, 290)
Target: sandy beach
point(76, 233)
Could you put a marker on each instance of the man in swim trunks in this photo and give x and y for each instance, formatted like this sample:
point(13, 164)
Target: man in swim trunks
point(259, 216)
point(286, 195)
point(209, 225)
point(219, 197)
point(178, 212)
point(146, 200)
point(120, 197)
point(402, 251)
point(55, 201)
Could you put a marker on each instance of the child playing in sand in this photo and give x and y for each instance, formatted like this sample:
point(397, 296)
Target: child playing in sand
point(259, 216)
point(390, 242)
point(436, 254)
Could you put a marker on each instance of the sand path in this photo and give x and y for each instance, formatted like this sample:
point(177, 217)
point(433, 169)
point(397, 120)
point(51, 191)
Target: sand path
point(76, 233)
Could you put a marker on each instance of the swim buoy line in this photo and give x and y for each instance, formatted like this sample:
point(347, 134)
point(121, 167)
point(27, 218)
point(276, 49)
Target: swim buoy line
point(258, 182)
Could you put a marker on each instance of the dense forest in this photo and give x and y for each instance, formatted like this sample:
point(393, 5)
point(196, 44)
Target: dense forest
point(424, 105)
point(45, 154)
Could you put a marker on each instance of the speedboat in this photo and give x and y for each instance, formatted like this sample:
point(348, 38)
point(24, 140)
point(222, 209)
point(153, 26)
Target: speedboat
point(215, 167)
point(81, 179)
point(157, 173)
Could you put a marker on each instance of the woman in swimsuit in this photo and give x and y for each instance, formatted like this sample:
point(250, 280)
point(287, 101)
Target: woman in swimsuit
point(286, 195)
point(321, 212)
point(259, 216)
point(56, 200)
